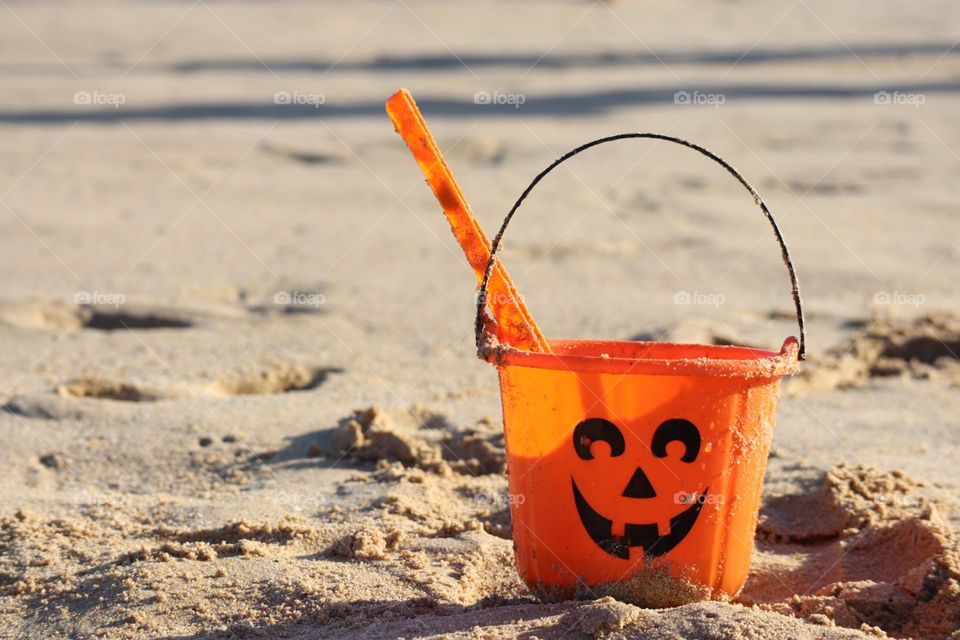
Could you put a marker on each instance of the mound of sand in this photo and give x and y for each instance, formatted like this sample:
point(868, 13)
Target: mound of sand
point(927, 347)
point(859, 547)
point(419, 438)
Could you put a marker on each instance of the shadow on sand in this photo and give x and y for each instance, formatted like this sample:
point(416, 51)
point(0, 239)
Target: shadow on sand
point(583, 104)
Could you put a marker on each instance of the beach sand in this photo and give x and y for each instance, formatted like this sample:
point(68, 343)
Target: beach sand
point(240, 390)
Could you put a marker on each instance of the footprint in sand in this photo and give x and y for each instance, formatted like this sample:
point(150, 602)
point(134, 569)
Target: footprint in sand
point(267, 378)
point(106, 390)
point(274, 376)
point(114, 319)
point(44, 407)
point(65, 316)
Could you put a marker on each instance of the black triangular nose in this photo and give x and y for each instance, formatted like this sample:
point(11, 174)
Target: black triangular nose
point(639, 486)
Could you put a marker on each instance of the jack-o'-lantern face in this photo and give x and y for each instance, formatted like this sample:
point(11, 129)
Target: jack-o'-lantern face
point(640, 493)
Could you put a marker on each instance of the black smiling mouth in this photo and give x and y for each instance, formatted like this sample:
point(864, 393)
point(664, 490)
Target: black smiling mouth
point(646, 536)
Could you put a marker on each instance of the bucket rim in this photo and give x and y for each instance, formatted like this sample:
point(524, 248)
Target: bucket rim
point(729, 361)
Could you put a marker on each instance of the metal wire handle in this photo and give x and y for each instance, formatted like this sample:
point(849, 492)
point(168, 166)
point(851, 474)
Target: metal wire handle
point(497, 241)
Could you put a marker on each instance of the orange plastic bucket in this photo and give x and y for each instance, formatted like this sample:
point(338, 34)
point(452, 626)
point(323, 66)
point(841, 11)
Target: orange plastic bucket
point(635, 468)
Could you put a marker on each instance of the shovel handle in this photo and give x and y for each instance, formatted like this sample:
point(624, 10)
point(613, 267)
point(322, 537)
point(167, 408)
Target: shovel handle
point(480, 327)
point(513, 321)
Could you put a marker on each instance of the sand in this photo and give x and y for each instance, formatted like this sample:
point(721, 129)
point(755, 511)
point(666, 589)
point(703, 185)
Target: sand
point(411, 544)
point(924, 347)
point(239, 390)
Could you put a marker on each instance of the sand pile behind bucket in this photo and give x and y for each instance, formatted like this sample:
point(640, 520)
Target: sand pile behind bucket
point(926, 347)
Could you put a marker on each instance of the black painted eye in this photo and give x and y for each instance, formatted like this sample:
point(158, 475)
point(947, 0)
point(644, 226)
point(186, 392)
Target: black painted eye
point(680, 430)
point(589, 431)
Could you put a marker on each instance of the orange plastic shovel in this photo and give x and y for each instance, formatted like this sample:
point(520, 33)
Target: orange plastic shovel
point(515, 325)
